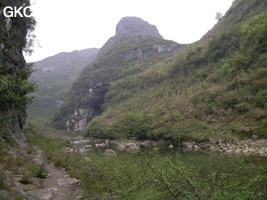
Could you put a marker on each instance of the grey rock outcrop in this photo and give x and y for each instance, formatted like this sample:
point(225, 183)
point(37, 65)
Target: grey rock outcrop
point(135, 26)
point(88, 107)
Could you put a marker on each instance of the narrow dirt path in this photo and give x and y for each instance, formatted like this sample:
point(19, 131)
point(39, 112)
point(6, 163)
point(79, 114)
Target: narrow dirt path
point(57, 186)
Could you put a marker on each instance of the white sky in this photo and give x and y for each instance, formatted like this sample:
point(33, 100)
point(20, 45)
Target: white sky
point(68, 25)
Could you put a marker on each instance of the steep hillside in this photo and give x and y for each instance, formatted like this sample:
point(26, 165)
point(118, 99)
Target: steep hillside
point(15, 90)
point(125, 54)
point(54, 76)
point(14, 73)
point(215, 87)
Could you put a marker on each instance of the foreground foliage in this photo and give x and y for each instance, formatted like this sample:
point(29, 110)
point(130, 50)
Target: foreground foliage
point(158, 174)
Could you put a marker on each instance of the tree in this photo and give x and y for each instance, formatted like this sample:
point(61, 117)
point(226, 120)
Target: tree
point(218, 16)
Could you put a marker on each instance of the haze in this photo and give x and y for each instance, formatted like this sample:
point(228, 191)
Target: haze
point(67, 25)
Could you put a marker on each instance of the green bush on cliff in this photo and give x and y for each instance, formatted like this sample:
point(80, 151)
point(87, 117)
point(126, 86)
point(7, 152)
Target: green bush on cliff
point(15, 88)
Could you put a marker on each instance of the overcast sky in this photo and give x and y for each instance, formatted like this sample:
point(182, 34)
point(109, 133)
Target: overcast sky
point(67, 25)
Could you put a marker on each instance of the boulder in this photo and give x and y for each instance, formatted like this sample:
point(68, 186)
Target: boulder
point(88, 146)
point(188, 144)
point(107, 141)
point(146, 143)
point(88, 159)
point(254, 137)
point(120, 147)
point(129, 144)
point(221, 141)
point(133, 149)
point(109, 152)
point(213, 140)
point(100, 145)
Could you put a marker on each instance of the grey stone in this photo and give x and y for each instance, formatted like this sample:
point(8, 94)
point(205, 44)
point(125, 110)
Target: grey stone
point(120, 147)
point(107, 141)
point(100, 145)
point(109, 152)
point(133, 149)
point(213, 140)
point(224, 131)
point(146, 143)
point(254, 137)
point(41, 194)
point(69, 181)
point(88, 146)
point(53, 189)
point(221, 141)
point(188, 144)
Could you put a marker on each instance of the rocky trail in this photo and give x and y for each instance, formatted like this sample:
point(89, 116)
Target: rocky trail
point(57, 186)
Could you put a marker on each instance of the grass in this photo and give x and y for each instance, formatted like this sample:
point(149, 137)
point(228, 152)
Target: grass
point(206, 88)
point(215, 87)
point(157, 174)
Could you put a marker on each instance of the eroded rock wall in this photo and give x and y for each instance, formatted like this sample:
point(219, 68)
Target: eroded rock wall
point(88, 107)
point(13, 33)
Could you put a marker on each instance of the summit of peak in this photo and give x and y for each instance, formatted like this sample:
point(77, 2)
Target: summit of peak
point(135, 26)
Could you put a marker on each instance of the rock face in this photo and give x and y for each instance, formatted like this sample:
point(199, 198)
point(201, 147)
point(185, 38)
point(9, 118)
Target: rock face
point(54, 76)
point(135, 26)
point(88, 107)
point(13, 33)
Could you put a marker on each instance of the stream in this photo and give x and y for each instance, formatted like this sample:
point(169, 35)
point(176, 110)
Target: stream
point(186, 153)
point(239, 167)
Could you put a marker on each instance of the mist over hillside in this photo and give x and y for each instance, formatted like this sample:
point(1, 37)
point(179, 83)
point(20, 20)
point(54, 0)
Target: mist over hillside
point(54, 76)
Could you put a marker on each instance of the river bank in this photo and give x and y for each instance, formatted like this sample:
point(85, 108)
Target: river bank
point(234, 146)
point(253, 146)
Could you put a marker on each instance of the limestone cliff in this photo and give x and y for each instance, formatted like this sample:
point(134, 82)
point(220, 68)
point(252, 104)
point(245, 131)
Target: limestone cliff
point(135, 26)
point(54, 76)
point(135, 41)
point(13, 33)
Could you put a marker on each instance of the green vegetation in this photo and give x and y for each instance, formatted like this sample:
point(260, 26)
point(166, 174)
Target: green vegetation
point(120, 58)
point(213, 88)
point(33, 170)
point(157, 173)
point(15, 88)
point(17, 164)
